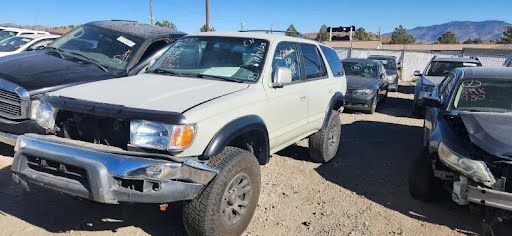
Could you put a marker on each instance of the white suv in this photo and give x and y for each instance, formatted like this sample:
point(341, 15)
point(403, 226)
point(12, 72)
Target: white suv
point(194, 128)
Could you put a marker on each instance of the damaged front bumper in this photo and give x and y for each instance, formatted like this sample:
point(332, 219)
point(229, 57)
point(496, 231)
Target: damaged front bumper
point(95, 172)
point(464, 193)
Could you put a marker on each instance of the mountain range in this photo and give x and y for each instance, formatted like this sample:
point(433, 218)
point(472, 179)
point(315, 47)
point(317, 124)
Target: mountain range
point(464, 30)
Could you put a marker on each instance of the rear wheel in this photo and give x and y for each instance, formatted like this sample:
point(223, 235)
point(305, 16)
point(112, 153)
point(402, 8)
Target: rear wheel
point(423, 185)
point(323, 145)
point(226, 206)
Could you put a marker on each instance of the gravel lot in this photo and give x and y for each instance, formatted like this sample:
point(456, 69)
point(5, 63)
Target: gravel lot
point(363, 191)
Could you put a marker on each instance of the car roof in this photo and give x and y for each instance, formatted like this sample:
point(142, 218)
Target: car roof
point(486, 73)
point(23, 30)
point(381, 57)
point(360, 60)
point(139, 30)
point(37, 36)
point(456, 59)
point(269, 37)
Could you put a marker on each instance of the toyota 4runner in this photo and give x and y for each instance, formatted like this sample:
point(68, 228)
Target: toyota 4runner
point(195, 128)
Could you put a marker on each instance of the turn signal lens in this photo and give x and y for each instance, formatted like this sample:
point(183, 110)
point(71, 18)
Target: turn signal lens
point(181, 137)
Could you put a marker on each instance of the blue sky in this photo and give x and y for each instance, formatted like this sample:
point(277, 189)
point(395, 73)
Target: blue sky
point(226, 15)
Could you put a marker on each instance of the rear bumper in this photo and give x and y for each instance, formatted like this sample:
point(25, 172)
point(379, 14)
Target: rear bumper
point(75, 168)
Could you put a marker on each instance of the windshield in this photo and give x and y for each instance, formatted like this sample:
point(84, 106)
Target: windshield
point(389, 64)
point(443, 68)
point(484, 96)
point(225, 57)
point(109, 48)
point(13, 43)
point(6, 34)
point(364, 69)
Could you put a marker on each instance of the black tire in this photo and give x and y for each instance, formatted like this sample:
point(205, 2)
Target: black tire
point(373, 106)
point(385, 98)
point(323, 145)
point(423, 185)
point(207, 214)
point(416, 112)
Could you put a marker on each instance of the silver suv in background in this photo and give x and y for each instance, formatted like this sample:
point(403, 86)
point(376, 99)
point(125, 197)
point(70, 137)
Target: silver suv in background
point(437, 69)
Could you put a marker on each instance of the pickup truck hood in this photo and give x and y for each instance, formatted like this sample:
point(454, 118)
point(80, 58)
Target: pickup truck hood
point(359, 82)
point(490, 131)
point(152, 92)
point(39, 70)
point(432, 80)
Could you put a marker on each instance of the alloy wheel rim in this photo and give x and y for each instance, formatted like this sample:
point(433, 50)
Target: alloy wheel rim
point(236, 199)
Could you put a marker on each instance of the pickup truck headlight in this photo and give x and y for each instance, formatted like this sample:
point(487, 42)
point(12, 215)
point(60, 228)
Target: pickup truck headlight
point(476, 170)
point(34, 107)
point(45, 115)
point(362, 92)
point(161, 136)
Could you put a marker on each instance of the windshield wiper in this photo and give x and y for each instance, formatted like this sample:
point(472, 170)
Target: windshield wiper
point(57, 50)
point(88, 59)
point(166, 72)
point(220, 78)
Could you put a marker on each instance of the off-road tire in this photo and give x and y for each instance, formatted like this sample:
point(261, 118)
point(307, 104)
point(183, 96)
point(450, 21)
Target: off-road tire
point(203, 215)
point(323, 145)
point(423, 185)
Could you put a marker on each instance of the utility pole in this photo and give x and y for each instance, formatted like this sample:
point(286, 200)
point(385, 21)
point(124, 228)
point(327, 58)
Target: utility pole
point(151, 11)
point(207, 15)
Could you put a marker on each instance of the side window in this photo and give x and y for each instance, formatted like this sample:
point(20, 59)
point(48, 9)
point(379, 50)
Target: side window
point(333, 60)
point(286, 56)
point(443, 85)
point(313, 64)
point(41, 43)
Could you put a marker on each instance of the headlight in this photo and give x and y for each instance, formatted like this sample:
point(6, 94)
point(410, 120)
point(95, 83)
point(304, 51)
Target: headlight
point(362, 92)
point(476, 170)
point(34, 106)
point(45, 115)
point(161, 136)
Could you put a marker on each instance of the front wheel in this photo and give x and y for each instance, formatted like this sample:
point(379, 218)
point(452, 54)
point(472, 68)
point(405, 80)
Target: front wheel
point(373, 106)
point(323, 145)
point(423, 185)
point(226, 206)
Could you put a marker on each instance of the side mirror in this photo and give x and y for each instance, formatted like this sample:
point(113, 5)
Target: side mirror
point(417, 73)
point(431, 102)
point(282, 76)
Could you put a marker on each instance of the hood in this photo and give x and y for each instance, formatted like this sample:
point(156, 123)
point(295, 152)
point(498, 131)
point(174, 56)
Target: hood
point(490, 131)
point(359, 82)
point(152, 92)
point(36, 71)
point(433, 80)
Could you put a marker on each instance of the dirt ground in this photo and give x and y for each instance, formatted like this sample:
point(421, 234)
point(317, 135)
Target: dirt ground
point(363, 191)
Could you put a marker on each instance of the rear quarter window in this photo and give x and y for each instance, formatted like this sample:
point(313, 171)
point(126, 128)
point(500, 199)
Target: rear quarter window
point(333, 60)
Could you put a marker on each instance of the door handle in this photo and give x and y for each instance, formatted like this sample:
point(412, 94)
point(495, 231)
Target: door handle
point(302, 98)
point(330, 90)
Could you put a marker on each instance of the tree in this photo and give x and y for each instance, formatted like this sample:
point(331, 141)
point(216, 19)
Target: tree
point(473, 41)
point(167, 24)
point(400, 36)
point(507, 36)
point(292, 31)
point(362, 35)
point(323, 34)
point(203, 29)
point(447, 38)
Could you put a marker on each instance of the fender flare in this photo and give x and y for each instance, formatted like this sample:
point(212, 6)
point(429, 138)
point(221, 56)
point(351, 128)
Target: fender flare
point(337, 102)
point(233, 130)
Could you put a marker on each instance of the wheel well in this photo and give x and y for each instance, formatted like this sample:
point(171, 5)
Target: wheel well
point(255, 142)
point(338, 104)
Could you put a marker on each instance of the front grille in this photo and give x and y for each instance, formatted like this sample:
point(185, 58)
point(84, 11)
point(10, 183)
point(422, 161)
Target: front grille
point(58, 169)
point(10, 104)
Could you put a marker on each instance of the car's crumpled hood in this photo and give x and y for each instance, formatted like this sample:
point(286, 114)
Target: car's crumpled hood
point(359, 82)
point(152, 92)
point(490, 131)
point(432, 80)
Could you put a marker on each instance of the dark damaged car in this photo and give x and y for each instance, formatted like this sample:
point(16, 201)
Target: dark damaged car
point(92, 52)
point(468, 142)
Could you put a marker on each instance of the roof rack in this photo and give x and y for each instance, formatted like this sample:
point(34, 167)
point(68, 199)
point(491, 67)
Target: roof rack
point(273, 31)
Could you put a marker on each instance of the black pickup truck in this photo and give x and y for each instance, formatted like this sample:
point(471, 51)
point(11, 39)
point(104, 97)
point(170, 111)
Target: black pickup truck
point(95, 51)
